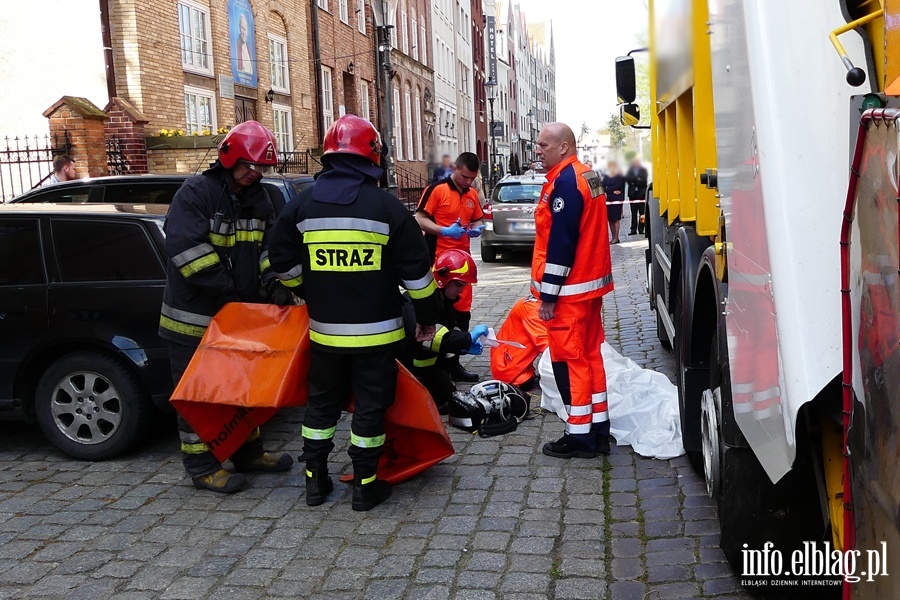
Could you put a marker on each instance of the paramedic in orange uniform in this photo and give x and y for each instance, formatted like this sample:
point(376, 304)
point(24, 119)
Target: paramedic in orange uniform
point(570, 273)
point(449, 213)
point(514, 365)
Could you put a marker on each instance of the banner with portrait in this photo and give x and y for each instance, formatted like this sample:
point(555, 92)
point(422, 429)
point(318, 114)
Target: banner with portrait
point(242, 32)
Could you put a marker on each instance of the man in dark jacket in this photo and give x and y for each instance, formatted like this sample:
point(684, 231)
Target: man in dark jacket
point(346, 247)
point(216, 231)
point(431, 361)
point(636, 178)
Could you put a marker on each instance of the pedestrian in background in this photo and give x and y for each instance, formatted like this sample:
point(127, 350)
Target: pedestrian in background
point(570, 273)
point(636, 178)
point(216, 232)
point(444, 170)
point(450, 213)
point(63, 169)
point(614, 184)
point(346, 247)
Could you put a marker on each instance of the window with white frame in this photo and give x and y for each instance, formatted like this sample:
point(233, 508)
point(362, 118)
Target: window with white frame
point(407, 103)
point(423, 43)
point(414, 28)
point(419, 153)
point(322, 4)
point(199, 110)
point(392, 21)
point(361, 15)
point(193, 25)
point(364, 100)
point(404, 32)
point(344, 11)
point(282, 129)
point(327, 98)
point(278, 63)
point(398, 128)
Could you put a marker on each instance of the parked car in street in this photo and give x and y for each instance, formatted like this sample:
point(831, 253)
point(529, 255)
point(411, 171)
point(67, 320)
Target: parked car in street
point(80, 293)
point(509, 215)
point(144, 189)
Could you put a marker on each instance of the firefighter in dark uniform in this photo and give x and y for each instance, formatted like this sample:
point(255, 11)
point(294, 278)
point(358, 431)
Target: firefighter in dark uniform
point(346, 247)
point(431, 361)
point(216, 231)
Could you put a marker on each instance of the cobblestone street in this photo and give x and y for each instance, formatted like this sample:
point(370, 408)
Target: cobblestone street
point(497, 520)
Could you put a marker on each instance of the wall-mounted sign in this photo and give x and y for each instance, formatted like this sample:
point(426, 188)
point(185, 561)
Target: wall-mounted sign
point(226, 87)
point(242, 31)
point(492, 49)
point(498, 129)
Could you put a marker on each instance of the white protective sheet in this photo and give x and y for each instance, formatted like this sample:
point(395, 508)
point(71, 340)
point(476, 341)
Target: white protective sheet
point(643, 404)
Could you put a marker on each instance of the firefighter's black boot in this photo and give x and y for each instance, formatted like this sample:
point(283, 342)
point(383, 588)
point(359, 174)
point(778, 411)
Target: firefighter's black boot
point(368, 492)
point(265, 463)
point(318, 483)
point(459, 373)
point(601, 431)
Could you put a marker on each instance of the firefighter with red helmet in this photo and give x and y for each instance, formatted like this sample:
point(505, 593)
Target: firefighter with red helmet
point(216, 234)
point(347, 247)
point(430, 361)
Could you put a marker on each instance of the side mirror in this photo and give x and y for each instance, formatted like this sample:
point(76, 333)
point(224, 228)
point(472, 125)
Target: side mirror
point(630, 114)
point(625, 79)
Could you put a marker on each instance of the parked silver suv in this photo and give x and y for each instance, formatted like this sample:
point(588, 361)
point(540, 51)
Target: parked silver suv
point(509, 215)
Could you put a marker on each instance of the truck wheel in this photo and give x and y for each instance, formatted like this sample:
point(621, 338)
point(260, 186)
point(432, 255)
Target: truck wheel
point(488, 253)
point(694, 456)
point(92, 407)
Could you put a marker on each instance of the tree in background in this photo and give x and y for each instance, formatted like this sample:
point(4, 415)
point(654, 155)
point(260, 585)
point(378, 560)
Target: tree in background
point(616, 132)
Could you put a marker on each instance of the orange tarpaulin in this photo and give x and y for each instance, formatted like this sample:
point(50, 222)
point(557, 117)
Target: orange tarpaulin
point(254, 359)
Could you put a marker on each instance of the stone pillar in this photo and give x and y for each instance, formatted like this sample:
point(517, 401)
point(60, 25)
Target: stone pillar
point(84, 123)
point(126, 124)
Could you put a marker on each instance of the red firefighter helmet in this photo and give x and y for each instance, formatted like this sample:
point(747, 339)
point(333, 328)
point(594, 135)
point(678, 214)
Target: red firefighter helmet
point(455, 265)
point(353, 135)
point(252, 143)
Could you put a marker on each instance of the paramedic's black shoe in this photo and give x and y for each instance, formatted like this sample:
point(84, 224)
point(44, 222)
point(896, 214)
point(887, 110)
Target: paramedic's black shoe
point(601, 433)
point(459, 373)
point(571, 446)
point(222, 481)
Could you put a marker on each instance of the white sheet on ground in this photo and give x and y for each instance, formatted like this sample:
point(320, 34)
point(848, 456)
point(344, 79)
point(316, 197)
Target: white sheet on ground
point(643, 404)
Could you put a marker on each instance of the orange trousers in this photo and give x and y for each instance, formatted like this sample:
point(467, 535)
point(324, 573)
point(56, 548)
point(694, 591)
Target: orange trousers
point(575, 335)
point(516, 365)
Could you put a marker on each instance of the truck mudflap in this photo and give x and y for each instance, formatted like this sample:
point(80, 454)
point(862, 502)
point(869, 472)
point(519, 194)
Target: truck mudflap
point(871, 356)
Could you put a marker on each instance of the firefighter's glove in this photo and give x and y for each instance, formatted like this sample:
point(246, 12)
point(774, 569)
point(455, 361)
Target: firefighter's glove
point(475, 231)
point(479, 331)
point(476, 348)
point(278, 294)
point(455, 231)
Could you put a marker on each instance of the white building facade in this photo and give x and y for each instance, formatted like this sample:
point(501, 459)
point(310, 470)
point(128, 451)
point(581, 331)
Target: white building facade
point(445, 77)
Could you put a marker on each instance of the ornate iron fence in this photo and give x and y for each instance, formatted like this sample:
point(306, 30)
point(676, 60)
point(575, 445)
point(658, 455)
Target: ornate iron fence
point(27, 162)
point(116, 161)
point(410, 186)
point(293, 162)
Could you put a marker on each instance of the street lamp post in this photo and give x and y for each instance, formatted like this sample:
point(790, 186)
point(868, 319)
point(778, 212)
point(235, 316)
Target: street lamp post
point(380, 9)
point(492, 86)
point(530, 116)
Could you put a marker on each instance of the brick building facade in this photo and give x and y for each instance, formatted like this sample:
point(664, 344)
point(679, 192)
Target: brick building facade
point(202, 65)
point(341, 44)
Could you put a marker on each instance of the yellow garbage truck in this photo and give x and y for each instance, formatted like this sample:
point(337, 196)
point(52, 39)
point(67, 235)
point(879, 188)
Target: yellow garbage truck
point(772, 259)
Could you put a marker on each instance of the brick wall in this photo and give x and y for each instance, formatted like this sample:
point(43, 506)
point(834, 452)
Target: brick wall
point(126, 124)
point(180, 160)
point(84, 124)
point(339, 45)
point(149, 72)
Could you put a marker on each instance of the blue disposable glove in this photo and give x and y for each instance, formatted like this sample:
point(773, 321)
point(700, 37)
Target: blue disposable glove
point(478, 331)
point(476, 348)
point(475, 231)
point(455, 231)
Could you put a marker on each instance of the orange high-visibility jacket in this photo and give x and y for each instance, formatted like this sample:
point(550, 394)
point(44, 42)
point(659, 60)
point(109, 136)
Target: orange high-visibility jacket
point(571, 252)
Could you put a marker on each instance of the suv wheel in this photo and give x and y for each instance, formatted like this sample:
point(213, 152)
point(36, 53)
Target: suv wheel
point(488, 253)
point(91, 407)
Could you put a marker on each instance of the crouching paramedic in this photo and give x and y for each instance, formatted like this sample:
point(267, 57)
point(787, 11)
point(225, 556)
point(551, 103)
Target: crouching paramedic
point(346, 246)
point(430, 361)
point(570, 273)
point(216, 231)
point(514, 365)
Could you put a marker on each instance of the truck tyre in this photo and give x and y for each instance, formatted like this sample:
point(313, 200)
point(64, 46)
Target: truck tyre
point(694, 456)
point(91, 406)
